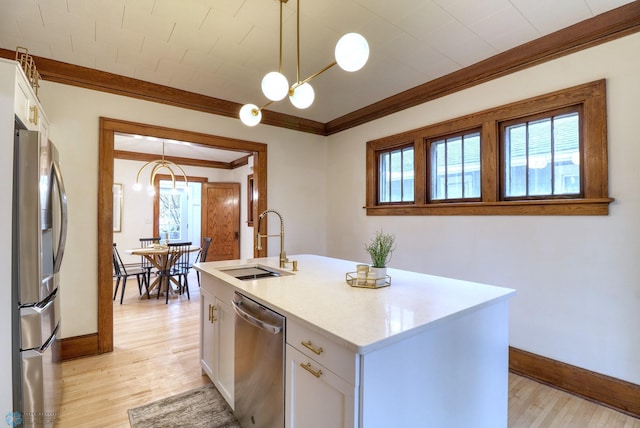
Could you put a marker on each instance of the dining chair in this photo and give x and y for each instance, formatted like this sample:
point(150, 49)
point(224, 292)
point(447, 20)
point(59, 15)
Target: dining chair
point(122, 272)
point(145, 263)
point(177, 265)
point(202, 254)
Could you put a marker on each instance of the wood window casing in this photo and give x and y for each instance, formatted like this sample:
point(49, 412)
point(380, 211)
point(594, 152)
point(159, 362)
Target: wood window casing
point(591, 97)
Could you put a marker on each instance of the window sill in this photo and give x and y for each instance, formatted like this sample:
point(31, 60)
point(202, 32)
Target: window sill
point(598, 206)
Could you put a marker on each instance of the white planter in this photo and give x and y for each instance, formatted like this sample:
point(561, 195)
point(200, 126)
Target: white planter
point(377, 276)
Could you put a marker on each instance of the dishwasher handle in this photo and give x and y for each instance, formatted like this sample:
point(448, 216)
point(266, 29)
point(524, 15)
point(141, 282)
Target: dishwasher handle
point(237, 307)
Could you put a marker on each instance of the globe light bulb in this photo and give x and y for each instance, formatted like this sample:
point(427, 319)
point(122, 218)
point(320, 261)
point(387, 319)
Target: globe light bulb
point(302, 96)
point(352, 52)
point(250, 115)
point(275, 86)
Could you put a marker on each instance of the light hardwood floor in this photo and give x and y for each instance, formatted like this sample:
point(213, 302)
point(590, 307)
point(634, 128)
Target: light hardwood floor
point(156, 355)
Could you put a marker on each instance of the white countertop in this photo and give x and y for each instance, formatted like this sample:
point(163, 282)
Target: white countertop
point(361, 319)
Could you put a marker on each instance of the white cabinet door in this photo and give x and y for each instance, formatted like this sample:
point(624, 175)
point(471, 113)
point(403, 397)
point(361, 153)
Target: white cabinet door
point(223, 342)
point(206, 332)
point(217, 335)
point(315, 396)
point(25, 105)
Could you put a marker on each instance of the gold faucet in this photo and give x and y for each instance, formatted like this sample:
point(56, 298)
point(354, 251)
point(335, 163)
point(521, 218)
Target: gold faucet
point(283, 255)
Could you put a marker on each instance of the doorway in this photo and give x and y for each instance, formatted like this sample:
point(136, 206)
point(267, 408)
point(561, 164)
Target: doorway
point(103, 341)
point(179, 211)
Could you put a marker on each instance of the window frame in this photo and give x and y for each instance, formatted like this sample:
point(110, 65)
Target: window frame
point(379, 153)
point(527, 119)
point(428, 142)
point(591, 97)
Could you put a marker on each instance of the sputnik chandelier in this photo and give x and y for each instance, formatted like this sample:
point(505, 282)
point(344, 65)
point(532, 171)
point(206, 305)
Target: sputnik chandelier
point(351, 54)
point(160, 164)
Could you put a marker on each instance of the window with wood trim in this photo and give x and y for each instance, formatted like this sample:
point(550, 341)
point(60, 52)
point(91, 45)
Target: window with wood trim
point(542, 156)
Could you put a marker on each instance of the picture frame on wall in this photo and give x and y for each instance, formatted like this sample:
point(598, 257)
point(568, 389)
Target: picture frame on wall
point(117, 207)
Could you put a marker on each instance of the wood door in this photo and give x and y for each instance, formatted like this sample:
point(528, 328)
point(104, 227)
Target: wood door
point(221, 219)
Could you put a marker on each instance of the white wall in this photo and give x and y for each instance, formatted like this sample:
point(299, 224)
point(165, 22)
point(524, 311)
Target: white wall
point(296, 181)
point(577, 278)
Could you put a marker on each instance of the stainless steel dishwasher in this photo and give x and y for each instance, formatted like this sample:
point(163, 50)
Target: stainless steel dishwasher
point(259, 364)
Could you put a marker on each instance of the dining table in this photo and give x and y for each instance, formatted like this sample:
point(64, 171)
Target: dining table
point(162, 257)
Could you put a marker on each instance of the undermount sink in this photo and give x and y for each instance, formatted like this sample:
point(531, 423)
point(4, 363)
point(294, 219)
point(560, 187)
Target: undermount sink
point(248, 273)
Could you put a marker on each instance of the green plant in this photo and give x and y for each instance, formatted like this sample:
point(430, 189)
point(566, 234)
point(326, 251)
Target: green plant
point(380, 248)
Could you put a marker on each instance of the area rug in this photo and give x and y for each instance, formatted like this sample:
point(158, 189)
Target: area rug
point(202, 407)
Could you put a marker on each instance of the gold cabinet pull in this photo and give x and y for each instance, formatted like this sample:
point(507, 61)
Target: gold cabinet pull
point(34, 109)
point(310, 346)
point(213, 313)
point(308, 368)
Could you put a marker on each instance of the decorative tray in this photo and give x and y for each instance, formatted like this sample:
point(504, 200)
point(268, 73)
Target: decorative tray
point(352, 280)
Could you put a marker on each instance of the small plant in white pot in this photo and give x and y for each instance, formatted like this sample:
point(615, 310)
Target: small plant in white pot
point(380, 249)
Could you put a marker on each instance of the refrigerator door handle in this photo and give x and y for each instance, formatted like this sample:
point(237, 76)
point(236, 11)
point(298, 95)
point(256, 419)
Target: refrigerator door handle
point(63, 217)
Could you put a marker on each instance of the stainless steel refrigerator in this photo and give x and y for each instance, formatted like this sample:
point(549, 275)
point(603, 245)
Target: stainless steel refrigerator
point(39, 234)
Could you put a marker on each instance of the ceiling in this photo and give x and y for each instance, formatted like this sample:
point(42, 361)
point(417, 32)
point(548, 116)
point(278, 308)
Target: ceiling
point(223, 48)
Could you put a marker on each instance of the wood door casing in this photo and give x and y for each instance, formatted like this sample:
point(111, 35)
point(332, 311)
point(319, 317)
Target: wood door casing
point(221, 220)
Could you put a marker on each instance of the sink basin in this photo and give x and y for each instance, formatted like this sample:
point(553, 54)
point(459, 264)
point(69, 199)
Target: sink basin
point(248, 273)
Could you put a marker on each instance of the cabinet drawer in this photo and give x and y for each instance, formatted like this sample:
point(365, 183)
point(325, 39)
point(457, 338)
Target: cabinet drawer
point(323, 350)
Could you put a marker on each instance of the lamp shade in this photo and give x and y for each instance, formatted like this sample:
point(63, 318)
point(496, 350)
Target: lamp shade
point(275, 86)
point(250, 114)
point(352, 52)
point(302, 96)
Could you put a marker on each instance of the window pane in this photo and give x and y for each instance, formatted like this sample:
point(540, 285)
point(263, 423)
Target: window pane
point(455, 167)
point(566, 154)
point(472, 166)
point(438, 170)
point(396, 176)
point(539, 155)
point(407, 174)
point(384, 178)
point(516, 159)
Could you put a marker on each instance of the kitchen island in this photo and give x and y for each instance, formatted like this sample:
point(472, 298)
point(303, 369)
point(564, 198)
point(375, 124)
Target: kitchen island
point(425, 351)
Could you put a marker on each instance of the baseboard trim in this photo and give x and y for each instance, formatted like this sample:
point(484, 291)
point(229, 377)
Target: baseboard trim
point(79, 346)
point(608, 391)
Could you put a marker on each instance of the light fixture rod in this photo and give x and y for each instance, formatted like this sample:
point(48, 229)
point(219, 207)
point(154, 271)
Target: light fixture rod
point(351, 53)
point(314, 75)
point(298, 42)
point(280, 64)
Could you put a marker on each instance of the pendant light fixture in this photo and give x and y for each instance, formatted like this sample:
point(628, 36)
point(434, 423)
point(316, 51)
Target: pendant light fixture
point(351, 54)
point(158, 165)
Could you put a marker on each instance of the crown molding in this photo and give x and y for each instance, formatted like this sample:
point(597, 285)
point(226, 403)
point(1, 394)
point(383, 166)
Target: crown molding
point(602, 28)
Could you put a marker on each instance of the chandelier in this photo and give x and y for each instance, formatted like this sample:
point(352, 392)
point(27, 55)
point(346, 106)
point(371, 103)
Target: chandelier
point(351, 54)
point(160, 164)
